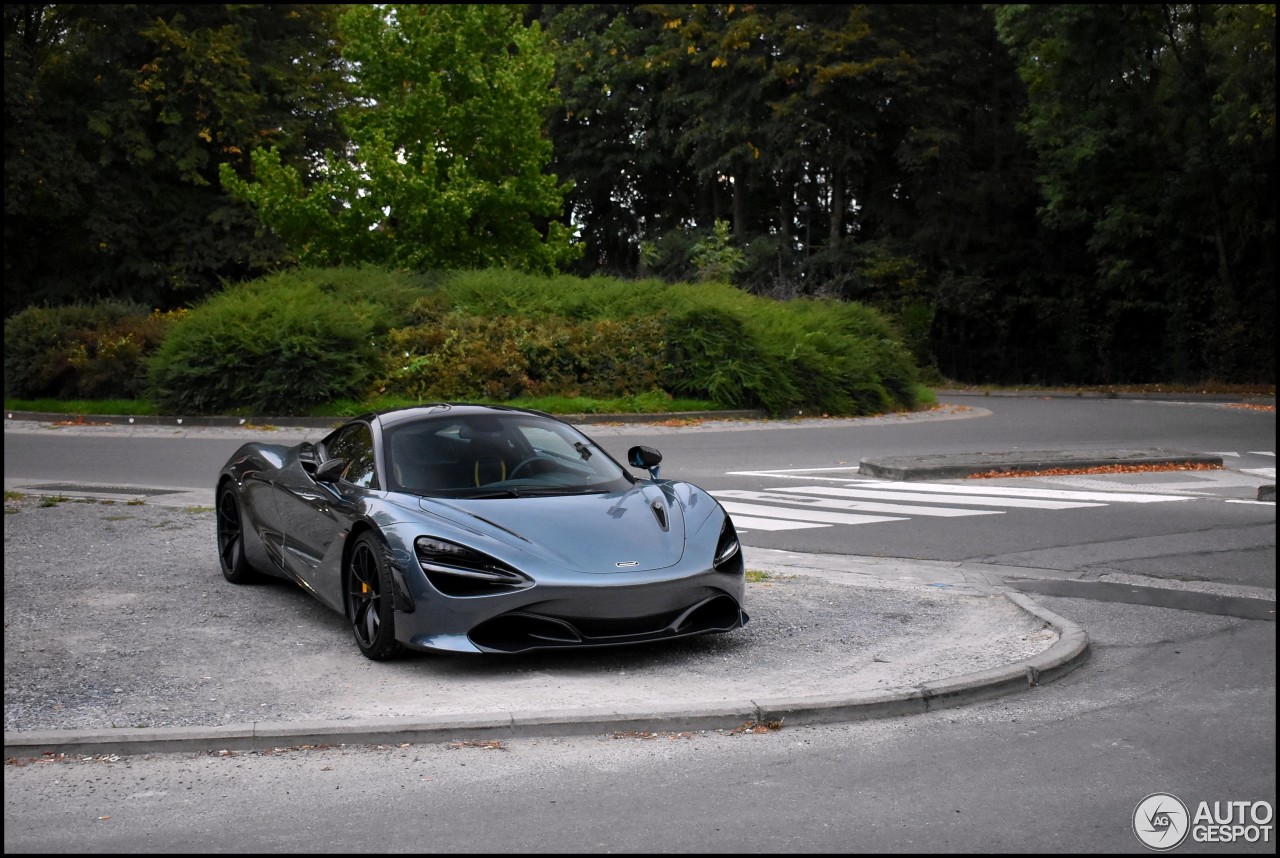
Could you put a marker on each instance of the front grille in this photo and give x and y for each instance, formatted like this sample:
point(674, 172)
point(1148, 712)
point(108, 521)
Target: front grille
point(520, 631)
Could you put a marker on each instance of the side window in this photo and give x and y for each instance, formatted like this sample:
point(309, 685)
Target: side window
point(355, 445)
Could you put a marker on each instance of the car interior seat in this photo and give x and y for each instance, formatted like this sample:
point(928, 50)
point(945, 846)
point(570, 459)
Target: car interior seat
point(428, 461)
point(488, 451)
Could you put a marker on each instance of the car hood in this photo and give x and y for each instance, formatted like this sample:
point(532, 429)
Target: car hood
point(639, 529)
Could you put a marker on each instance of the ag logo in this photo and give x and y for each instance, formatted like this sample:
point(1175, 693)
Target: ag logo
point(1161, 822)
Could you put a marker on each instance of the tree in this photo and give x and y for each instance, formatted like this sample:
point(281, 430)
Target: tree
point(616, 133)
point(444, 167)
point(1155, 131)
point(117, 118)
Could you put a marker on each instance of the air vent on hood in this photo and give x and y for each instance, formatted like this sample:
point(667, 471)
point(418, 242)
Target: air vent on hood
point(660, 513)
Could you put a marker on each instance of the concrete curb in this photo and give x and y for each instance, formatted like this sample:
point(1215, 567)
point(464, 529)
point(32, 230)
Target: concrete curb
point(1069, 652)
point(189, 422)
point(1149, 396)
point(946, 466)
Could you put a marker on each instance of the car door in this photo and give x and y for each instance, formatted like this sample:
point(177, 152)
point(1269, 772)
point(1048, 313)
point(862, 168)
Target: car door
point(317, 514)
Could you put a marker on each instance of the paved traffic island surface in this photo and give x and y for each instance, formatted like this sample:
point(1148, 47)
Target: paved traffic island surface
point(121, 636)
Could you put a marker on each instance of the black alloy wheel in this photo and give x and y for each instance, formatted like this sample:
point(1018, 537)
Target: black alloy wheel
point(368, 600)
point(235, 566)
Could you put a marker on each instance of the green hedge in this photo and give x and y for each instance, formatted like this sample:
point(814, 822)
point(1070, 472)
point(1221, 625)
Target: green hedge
point(82, 351)
point(293, 342)
point(718, 342)
point(456, 354)
point(280, 345)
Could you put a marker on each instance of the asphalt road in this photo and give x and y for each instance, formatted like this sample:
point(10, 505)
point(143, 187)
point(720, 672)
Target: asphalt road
point(1170, 701)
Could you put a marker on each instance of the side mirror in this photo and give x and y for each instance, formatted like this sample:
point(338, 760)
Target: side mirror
point(645, 457)
point(330, 471)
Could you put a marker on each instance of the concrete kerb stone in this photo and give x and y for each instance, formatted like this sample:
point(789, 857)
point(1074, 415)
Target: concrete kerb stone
point(1067, 653)
point(36, 743)
point(585, 722)
point(334, 422)
point(956, 466)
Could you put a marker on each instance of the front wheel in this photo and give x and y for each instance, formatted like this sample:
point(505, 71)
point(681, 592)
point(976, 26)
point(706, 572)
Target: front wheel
point(368, 600)
point(235, 566)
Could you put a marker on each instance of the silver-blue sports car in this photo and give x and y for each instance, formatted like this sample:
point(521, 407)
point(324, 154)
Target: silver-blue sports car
point(471, 528)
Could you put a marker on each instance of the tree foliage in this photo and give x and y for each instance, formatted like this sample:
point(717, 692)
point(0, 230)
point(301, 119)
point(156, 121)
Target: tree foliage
point(444, 162)
point(1040, 193)
point(1155, 131)
point(1084, 193)
point(117, 118)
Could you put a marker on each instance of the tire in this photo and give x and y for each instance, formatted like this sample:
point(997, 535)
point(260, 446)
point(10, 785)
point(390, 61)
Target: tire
point(369, 601)
point(231, 557)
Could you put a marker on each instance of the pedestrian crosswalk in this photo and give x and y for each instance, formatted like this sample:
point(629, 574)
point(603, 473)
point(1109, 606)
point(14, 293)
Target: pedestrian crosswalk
point(1267, 473)
point(856, 502)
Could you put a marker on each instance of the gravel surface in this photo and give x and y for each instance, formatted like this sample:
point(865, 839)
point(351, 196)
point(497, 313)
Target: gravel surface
point(116, 615)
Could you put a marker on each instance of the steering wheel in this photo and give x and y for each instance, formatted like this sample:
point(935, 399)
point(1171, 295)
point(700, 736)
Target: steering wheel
point(524, 463)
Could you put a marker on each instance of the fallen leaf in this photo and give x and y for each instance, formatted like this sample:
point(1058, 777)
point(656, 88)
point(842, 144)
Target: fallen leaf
point(1100, 469)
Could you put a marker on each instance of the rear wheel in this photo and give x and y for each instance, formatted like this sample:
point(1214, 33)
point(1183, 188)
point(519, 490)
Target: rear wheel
point(235, 566)
point(368, 600)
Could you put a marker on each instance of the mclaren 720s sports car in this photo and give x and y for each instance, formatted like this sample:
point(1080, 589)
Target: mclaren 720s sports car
point(481, 529)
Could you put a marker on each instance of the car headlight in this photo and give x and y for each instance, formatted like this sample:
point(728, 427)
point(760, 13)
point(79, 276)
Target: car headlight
point(456, 570)
point(728, 556)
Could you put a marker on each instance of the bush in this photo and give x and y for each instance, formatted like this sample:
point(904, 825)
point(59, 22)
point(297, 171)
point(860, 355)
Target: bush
point(297, 342)
point(281, 345)
point(714, 356)
point(82, 351)
point(804, 354)
point(454, 356)
point(458, 355)
point(716, 342)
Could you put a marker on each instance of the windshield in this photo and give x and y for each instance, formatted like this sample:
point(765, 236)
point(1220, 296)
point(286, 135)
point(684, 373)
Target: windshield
point(497, 455)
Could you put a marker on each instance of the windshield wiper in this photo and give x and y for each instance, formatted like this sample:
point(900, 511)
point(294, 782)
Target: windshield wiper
point(558, 490)
point(495, 493)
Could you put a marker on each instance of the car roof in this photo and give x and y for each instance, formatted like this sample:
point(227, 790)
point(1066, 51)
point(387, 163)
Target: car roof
point(393, 416)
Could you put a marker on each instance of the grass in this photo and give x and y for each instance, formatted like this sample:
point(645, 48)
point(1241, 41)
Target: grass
point(129, 407)
point(646, 403)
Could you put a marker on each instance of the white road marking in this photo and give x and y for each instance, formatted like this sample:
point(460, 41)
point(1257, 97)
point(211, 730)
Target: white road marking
point(746, 522)
point(1019, 492)
point(863, 506)
point(815, 515)
point(789, 475)
point(791, 507)
point(938, 494)
point(798, 470)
